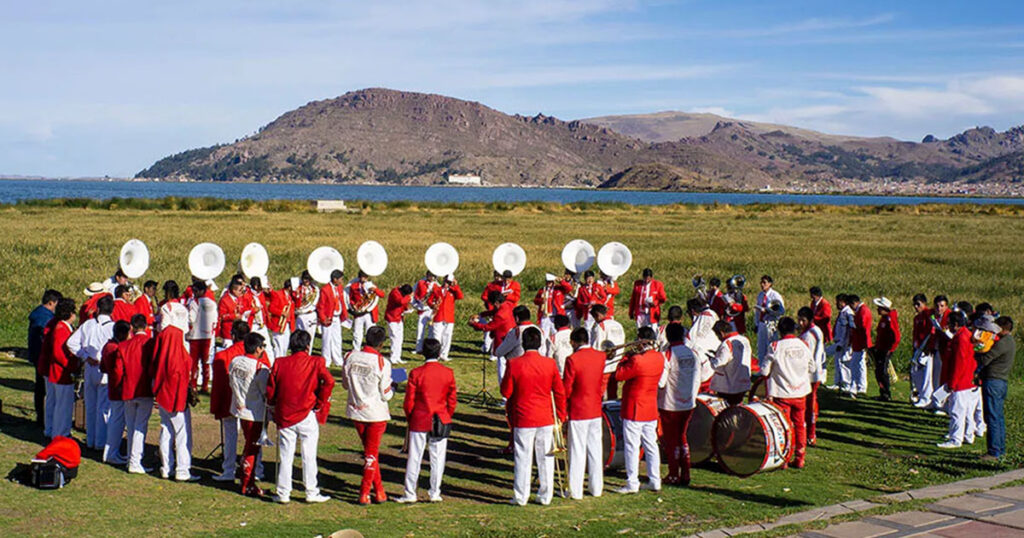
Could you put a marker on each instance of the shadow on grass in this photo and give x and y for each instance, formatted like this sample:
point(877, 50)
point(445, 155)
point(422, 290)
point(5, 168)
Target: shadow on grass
point(747, 496)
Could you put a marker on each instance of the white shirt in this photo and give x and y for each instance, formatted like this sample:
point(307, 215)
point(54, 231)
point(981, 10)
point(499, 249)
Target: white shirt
point(561, 348)
point(789, 366)
point(367, 377)
point(512, 346)
point(701, 336)
point(764, 299)
point(815, 341)
point(87, 342)
point(731, 366)
point(608, 333)
point(682, 378)
point(202, 318)
point(844, 323)
point(248, 380)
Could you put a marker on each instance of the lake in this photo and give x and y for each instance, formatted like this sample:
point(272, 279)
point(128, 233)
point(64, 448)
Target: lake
point(18, 189)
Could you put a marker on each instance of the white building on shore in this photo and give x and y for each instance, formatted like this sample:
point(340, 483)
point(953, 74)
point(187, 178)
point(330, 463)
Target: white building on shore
point(464, 179)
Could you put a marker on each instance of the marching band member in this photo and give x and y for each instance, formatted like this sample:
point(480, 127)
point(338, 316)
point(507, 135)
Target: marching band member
point(430, 400)
point(397, 307)
point(676, 401)
point(841, 345)
point(765, 314)
point(124, 308)
point(38, 320)
point(860, 341)
point(424, 288)
point(642, 375)
point(811, 335)
point(94, 292)
point(171, 373)
point(531, 384)
point(731, 364)
point(940, 321)
point(133, 362)
point(220, 400)
point(495, 285)
point(510, 288)
point(583, 379)
point(645, 303)
point(568, 286)
point(87, 343)
point(674, 317)
point(887, 338)
point(512, 343)
point(603, 326)
point(958, 375)
point(822, 313)
point(59, 365)
point(231, 307)
point(590, 293)
point(118, 279)
point(788, 368)
point(305, 298)
point(363, 295)
point(550, 301)
point(559, 344)
point(248, 375)
point(611, 291)
point(442, 301)
point(367, 378)
point(202, 320)
point(299, 392)
point(146, 303)
point(923, 337)
point(715, 298)
point(736, 312)
point(281, 317)
point(331, 311)
point(115, 383)
point(257, 294)
point(502, 321)
point(701, 336)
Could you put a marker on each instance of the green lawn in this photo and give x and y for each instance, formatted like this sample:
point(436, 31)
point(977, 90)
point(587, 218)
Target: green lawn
point(865, 447)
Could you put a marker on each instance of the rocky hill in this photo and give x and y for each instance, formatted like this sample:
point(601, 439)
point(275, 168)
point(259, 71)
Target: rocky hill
point(393, 137)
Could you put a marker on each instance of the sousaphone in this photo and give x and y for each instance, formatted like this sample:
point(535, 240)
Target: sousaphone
point(578, 255)
point(614, 259)
point(254, 261)
point(134, 259)
point(206, 261)
point(322, 261)
point(372, 258)
point(441, 259)
point(509, 257)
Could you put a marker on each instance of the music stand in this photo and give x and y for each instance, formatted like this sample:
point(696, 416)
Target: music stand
point(485, 398)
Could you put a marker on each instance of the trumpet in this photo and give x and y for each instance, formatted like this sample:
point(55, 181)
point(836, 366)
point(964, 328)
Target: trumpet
point(545, 299)
point(636, 346)
point(283, 323)
point(559, 449)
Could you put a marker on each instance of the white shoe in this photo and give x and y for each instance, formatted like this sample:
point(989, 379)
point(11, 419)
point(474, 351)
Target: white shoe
point(283, 500)
point(832, 387)
point(317, 498)
point(649, 487)
point(398, 361)
point(626, 490)
point(224, 477)
point(436, 498)
point(139, 470)
point(406, 499)
point(922, 404)
point(968, 440)
point(939, 413)
point(188, 478)
point(948, 444)
point(164, 474)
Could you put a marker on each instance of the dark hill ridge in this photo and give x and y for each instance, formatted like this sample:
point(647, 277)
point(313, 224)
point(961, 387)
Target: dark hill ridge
point(394, 137)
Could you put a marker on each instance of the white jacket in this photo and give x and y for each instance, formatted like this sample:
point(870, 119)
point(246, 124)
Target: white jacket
point(731, 365)
point(764, 299)
point(788, 366)
point(815, 341)
point(202, 318)
point(367, 377)
point(512, 345)
point(701, 336)
point(561, 348)
point(844, 323)
point(682, 375)
point(248, 379)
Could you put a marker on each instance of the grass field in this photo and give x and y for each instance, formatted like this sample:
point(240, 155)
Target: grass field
point(865, 447)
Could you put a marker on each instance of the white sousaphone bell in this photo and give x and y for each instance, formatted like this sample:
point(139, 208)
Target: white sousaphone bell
point(322, 261)
point(134, 258)
point(206, 261)
point(509, 257)
point(614, 259)
point(254, 261)
point(441, 259)
point(578, 255)
point(372, 258)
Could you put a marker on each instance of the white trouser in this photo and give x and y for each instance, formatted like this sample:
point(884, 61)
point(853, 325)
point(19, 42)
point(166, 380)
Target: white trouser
point(423, 328)
point(115, 431)
point(936, 383)
point(961, 408)
point(97, 408)
point(176, 427)
point(588, 322)
point(488, 342)
point(862, 358)
point(979, 415)
point(62, 410)
point(136, 418)
point(842, 368)
point(530, 443)
point(442, 331)
point(585, 452)
point(574, 321)
point(48, 410)
point(396, 333)
point(547, 326)
point(502, 364)
point(764, 340)
point(279, 342)
point(330, 341)
point(360, 324)
point(635, 434)
point(921, 377)
point(307, 322)
point(437, 448)
point(854, 364)
point(308, 433)
point(229, 433)
point(642, 320)
point(268, 343)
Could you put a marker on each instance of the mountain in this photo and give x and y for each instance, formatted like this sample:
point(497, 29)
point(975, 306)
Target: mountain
point(393, 137)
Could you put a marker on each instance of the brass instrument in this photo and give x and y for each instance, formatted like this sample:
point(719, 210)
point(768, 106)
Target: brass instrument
point(636, 346)
point(559, 449)
point(285, 312)
point(367, 302)
point(545, 299)
point(308, 298)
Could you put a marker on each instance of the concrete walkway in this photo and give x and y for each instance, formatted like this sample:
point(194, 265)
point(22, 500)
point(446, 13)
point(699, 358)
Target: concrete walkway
point(986, 513)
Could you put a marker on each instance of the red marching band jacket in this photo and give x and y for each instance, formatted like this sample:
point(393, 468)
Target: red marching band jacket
point(220, 389)
point(640, 374)
point(397, 305)
point(355, 295)
point(584, 383)
point(229, 309)
point(298, 384)
point(171, 370)
point(887, 333)
point(430, 390)
point(444, 299)
point(331, 301)
point(529, 382)
point(134, 356)
point(500, 325)
point(56, 362)
point(108, 365)
point(144, 306)
point(860, 337)
point(280, 301)
point(657, 294)
point(611, 291)
point(923, 329)
point(554, 304)
point(958, 365)
point(823, 317)
point(588, 296)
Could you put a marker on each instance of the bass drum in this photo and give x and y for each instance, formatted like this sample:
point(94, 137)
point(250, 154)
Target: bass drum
point(698, 433)
point(611, 436)
point(752, 438)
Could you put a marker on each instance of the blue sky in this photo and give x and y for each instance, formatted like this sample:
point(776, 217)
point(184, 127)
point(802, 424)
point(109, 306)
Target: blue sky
point(94, 88)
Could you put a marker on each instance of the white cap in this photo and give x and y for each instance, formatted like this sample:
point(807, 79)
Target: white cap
point(550, 277)
point(294, 281)
point(883, 302)
point(211, 285)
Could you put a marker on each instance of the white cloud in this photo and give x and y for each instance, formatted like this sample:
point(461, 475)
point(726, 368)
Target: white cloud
point(565, 75)
point(716, 110)
point(924, 102)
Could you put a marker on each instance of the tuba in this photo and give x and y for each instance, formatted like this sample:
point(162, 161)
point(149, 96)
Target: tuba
point(134, 259)
point(206, 261)
point(578, 255)
point(509, 257)
point(441, 259)
point(322, 261)
point(614, 259)
point(254, 262)
point(372, 258)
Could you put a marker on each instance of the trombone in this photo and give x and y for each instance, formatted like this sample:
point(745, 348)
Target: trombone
point(558, 448)
point(629, 347)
